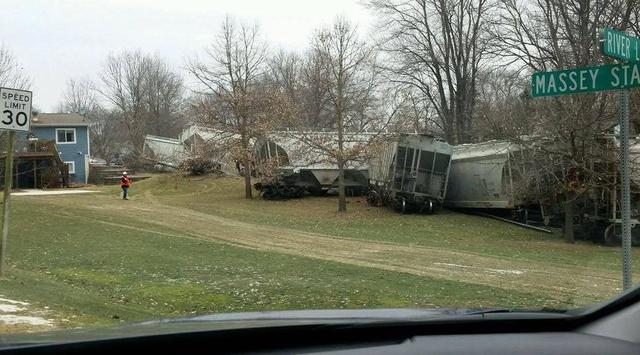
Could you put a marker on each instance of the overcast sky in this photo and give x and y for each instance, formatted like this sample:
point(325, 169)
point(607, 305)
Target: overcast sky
point(56, 40)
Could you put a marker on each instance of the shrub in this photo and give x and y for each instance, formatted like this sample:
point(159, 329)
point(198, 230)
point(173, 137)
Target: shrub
point(200, 166)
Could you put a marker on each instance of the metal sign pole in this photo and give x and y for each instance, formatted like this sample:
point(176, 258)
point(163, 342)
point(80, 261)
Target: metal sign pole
point(8, 177)
point(604, 78)
point(625, 191)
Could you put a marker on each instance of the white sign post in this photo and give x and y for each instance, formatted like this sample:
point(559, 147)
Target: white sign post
point(15, 115)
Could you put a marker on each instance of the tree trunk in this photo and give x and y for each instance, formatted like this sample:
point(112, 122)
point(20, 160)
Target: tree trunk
point(568, 221)
point(246, 161)
point(342, 196)
point(248, 193)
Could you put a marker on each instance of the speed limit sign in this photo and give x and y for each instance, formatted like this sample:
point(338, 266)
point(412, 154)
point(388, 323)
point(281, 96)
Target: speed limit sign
point(15, 105)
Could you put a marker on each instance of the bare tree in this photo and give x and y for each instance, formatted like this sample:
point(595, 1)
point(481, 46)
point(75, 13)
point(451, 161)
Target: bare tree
point(437, 48)
point(106, 131)
point(230, 97)
point(11, 74)
point(107, 134)
point(414, 113)
point(145, 93)
point(79, 97)
point(284, 73)
point(347, 72)
point(315, 103)
point(164, 99)
point(503, 106)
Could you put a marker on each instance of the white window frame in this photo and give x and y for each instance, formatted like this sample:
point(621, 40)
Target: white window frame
point(72, 166)
point(75, 135)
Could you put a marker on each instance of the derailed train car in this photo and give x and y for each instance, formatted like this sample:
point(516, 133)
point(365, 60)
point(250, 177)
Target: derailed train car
point(292, 167)
point(488, 175)
point(410, 173)
point(502, 178)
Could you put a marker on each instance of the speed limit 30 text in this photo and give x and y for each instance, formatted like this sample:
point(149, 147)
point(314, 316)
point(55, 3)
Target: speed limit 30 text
point(15, 101)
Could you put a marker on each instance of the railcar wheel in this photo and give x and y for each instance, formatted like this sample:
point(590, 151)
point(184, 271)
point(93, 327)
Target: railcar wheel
point(268, 194)
point(397, 204)
point(280, 193)
point(291, 192)
point(610, 238)
point(373, 198)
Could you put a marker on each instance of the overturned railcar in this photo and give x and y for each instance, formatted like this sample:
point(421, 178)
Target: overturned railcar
point(410, 173)
point(291, 168)
point(488, 175)
point(516, 182)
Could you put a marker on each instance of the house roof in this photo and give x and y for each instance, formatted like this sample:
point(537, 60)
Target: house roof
point(59, 120)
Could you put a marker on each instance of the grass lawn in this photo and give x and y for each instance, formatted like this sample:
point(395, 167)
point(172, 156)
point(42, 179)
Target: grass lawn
point(198, 247)
point(446, 229)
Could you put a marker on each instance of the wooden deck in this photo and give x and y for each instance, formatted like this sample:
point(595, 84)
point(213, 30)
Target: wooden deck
point(37, 164)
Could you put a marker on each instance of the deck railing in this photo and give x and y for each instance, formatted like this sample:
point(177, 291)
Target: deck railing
point(38, 146)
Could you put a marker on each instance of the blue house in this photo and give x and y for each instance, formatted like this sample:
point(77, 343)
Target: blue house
point(70, 131)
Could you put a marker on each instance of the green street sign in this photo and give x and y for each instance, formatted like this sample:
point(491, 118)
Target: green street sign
point(587, 79)
point(620, 45)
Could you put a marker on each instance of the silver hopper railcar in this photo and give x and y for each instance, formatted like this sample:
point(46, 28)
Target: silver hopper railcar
point(410, 173)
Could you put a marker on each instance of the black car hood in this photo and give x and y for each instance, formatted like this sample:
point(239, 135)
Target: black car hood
point(227, 321)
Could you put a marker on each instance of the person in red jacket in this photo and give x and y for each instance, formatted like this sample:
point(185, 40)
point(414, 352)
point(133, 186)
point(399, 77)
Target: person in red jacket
point(125, 183)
